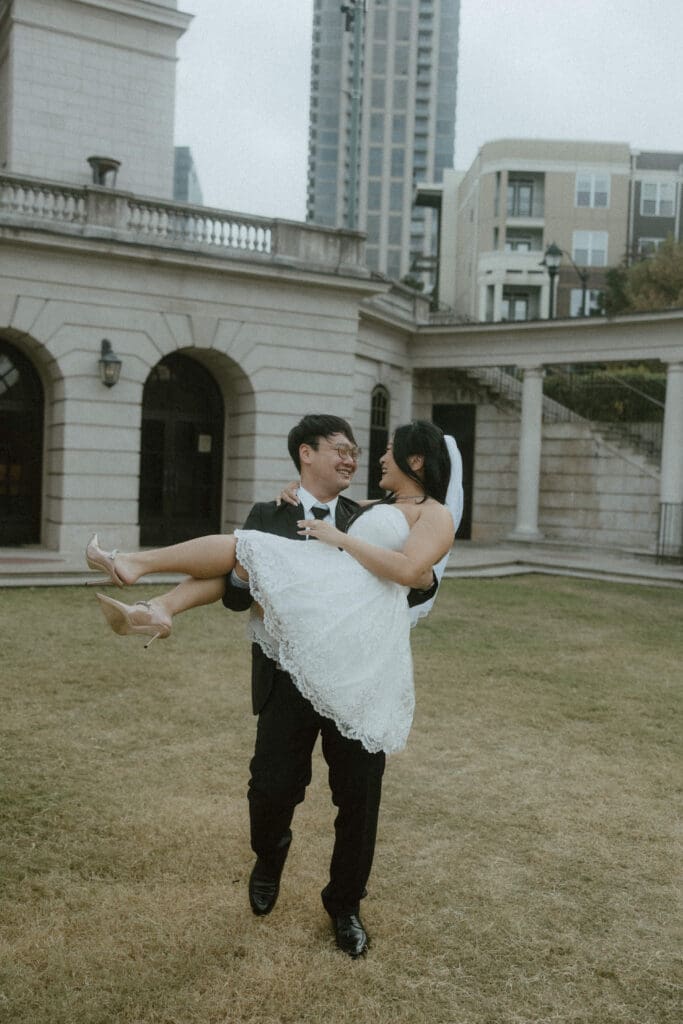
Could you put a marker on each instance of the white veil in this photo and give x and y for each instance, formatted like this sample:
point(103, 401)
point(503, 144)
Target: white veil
point(454, 503)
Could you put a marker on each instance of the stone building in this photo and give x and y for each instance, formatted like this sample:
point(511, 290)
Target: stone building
point(224, 328)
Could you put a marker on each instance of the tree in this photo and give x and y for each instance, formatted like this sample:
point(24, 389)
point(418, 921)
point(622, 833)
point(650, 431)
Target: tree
point(655, 282)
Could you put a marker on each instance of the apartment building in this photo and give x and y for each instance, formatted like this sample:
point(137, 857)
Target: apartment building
point(405, 125)
point(518, 197)
point(600, 203)
point(657, 179)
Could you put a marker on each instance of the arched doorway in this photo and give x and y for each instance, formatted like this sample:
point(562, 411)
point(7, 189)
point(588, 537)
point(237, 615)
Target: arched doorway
point(21, 448)
point(181, 453)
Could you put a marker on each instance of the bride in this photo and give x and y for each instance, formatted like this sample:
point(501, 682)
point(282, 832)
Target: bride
point(346, 593)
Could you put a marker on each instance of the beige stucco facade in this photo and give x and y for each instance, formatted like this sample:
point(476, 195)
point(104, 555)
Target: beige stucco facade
point(519, 196)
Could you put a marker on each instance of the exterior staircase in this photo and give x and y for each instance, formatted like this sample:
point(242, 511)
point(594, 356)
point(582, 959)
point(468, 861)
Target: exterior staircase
point(504, 385)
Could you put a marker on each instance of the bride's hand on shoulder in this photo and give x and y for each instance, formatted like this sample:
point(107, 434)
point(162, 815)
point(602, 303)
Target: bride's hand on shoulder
point(289, 495)
point(320, 530)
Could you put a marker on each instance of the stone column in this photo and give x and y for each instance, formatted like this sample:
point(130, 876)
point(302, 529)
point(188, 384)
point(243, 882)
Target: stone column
point(671, 485)
point(544, 306)
point(405, 399)
point(497, 301)
point(529, 468)
point(483, 302)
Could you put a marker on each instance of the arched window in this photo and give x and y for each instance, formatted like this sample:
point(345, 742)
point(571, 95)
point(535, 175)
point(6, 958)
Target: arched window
point(379, 437)
point(21, 448)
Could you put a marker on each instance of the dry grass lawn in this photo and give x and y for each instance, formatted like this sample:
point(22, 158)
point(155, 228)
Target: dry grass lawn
point(526, 871)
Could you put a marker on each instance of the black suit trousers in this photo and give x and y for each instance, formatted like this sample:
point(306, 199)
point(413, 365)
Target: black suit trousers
point(288, 727)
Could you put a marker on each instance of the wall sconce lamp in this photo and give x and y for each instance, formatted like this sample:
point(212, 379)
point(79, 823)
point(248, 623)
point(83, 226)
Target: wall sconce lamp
point(110, 364)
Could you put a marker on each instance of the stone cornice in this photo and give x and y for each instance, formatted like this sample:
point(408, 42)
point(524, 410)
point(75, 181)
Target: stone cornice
point(285, 269)
point(157, 14)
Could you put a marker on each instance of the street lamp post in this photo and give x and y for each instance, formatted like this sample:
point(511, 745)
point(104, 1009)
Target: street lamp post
point(551, 261)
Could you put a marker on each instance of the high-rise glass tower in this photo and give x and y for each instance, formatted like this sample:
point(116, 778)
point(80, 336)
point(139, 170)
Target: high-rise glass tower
point(407, 72)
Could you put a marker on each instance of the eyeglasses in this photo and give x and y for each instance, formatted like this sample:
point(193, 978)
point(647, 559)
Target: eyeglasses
point(346, 451)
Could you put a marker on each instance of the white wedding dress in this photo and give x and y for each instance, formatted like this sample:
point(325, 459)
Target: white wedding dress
point(342, 633)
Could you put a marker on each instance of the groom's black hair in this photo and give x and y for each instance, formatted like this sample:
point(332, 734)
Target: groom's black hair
point(311, 428)
point(424, 438)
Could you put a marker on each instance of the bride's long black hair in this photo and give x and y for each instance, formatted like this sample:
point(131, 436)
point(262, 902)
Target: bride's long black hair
point(419, 438)
point(424, 438)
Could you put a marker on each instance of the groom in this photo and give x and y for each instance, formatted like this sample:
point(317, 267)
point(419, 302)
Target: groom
point(325, 454)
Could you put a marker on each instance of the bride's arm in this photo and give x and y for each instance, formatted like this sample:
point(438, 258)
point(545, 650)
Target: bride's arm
point(429, 540)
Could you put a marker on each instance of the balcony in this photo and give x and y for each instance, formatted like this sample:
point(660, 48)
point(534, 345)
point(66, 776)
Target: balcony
point(513, 267)
point(97, 213)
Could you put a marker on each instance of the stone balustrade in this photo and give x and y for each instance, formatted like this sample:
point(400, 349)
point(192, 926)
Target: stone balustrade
point(97, 212)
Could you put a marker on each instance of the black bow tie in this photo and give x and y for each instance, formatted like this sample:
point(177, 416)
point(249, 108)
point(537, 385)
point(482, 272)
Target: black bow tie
point(320, 511)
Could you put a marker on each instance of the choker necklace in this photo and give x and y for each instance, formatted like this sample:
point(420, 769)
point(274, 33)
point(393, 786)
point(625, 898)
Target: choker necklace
point(410, 497)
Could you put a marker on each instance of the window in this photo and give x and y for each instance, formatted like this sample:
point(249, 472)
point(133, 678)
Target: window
point(395, 226)
point(397, 158)
point(374, 195)
point(396, 195)
point(400, 94)
point(520, 198)
point(379, 58)
point(657, 199)
point(514, 306)
point(376, 127)
point(379, 438)
point(394, 263)
point(593, 303)
point(377, 93)
point(403, 24)
point(589, 248)
point(401, 59)
point(518, 244)
point(375, 161)
point(592, 189)
point(380, 24)
point(648, 246)
point(372, 227)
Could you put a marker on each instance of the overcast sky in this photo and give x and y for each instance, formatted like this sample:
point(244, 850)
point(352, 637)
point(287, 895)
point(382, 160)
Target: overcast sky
point(586, 69)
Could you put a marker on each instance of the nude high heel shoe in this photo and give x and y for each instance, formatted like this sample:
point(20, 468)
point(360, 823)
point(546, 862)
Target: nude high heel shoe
point(143, 617)
point(105, 561)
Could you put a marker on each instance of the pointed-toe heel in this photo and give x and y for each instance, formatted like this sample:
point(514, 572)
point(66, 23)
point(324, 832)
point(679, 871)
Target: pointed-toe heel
point(102, 561)
point(143, 617)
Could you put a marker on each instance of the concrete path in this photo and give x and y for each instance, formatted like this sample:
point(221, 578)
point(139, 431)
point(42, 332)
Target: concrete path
point(36, 567)
point(507, 558)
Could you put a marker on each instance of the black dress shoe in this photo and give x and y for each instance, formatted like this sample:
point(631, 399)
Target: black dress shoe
point(350, 934)
point(263, 889)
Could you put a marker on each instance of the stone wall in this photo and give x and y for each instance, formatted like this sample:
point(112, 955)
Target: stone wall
point(90, 80)
point(592, 493)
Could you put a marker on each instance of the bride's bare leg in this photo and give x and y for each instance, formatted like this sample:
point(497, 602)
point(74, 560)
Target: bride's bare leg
point(191, 593)
point(203, 558)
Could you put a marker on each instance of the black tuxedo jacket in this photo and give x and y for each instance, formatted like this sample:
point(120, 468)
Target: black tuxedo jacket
point(281, 520)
